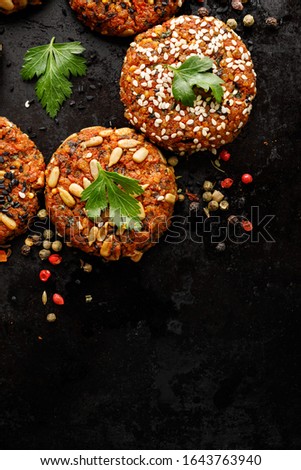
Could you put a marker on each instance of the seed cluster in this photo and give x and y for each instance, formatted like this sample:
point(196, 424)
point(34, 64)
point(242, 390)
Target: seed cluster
point(146, 84)
point(21, 175)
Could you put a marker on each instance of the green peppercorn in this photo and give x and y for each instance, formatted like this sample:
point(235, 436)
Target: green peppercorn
point(232, 23)
point(213, 205)
point(42, 214)
point(207, 196)
point(44, 254)
point(48, 234)
point(248, 20)
point(173, 161)
point(47, 244)
point(36, 239)
point(57, 245)
point(207, 186)
point(224, 205)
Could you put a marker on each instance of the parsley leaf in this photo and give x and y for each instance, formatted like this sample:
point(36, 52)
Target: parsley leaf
point(53, 64)
point(194, 72)
point(105, 192)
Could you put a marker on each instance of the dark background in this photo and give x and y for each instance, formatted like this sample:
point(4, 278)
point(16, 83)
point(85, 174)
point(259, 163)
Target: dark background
point(190, 348)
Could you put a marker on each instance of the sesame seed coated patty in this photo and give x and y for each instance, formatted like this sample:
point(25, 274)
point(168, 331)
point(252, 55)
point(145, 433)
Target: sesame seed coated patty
point(11, 6)
point(21, 176)
point(74, 166)
point(146, 85)
point(124, 17)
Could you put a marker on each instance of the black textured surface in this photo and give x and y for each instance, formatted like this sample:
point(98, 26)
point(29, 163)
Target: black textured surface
point(190, 348)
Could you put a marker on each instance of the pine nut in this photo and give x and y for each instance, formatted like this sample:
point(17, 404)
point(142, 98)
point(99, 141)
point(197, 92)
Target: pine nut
point(67, 198)
point(115, 156)
point(106, 132)
point(93, 142)
point(106, 248)
point(76, 189)
point(94, 168)
point(92, 235)
point(140, 155)
point(10, 223)
point(54, 177)
point(86, 182)
point(171, 198)
point(123, 131)
point(127, 143)
point(102, 233)
point(145, 186)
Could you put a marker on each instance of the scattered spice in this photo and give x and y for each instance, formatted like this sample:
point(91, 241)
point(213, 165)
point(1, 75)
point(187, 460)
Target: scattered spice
point(224, 205)
point(58, 299)
point(44, 254)
point(226, 183)
point(202, 11)
point(248, 21)
point(173, 161)
point(247, 225)
point(217, 196)
point(192, 196)
point(51, 317)
point(208, 185)
point(55, 259)
point(42, 214)
point(44, 275)
point(48, 234)
point(87, 267)
point(237, 5)
point(247, 178)
point(44, 298)
point(207, 196)
point(232, 23)
point(213, 206)
point(57, 245)
point(47, 244)
point(220, 247)
point(224, 155)
point(271, 22)
point(25, 250)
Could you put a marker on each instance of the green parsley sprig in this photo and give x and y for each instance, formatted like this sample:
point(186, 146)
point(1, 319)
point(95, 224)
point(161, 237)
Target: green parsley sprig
point(194, 73)
point(53, 64)
point(105, 192)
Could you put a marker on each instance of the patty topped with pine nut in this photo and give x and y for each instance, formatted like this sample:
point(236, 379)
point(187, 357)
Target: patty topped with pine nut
point(124, 18)
point(21, 176)
point(74, 166)
point(146, 85)
point(11, 6)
